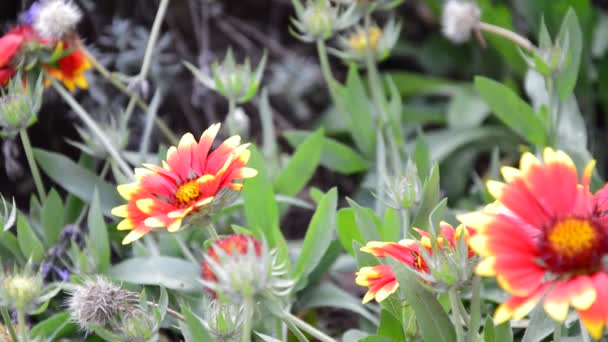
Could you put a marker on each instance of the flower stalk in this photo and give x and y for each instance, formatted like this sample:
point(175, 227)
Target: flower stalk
point(21, 324)
point(27, 147)
point(312, 331)
point(507, 34)
point(86, 118)
point(249, 307)
point(326, 69)
point(456, 314)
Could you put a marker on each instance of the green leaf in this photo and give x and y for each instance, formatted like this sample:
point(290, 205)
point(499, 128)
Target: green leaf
point(570, 38)
point(29, 243)
point(390, 327)
point(434, 323)
point(334, 155)
point(367, 222)
point(52, 218)
point(77, 180)
point(488, 330)
point(98, 241)
point(430, 198)
point(53, 327)
point(329, 295)
point(10, 242)
point(261, 211)
point(319, 236)
point(512, 110)
point(172, 273)
point(301, 166)
point(195, 328)
point(347, 229)
point(410, 84)
point(541, 326)
point(354, 105)
point(503, 333)
point(390, 230)
point(467, 109)
point(422, 156)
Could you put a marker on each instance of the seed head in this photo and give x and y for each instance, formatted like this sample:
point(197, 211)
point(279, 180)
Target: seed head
point(459, 19)
point(55, 19)
point(99, 302)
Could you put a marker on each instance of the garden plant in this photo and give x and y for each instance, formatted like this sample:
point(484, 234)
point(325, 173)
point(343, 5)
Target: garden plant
point(359, 170)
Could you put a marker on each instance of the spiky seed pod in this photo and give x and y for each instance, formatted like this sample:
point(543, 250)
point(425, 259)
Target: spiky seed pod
point(20, 290)
point(459, 19)
point(55, 19)
point(98, 301)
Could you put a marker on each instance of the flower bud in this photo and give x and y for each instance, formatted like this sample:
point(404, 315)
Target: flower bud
point(137, 325)
point(239, 266)
point(354, 46)
point(19, 106)
point(459, 19)
point(20, 290)
point(320, 19)
point(236, 82)
point(224, 320)
point(117, 133)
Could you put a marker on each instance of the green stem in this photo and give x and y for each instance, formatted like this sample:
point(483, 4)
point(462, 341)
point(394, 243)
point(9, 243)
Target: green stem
point(557, 332)
point(326, 69)
point(6, 317)
point(160, 124)
point(312, 331)
point(147, 62)
point(212, 231)
point(185, 250)
point(21, 325)
point(584, 333)
point(27, 147)
point(475, 318)
point(230, 116)
point(249, 307)
point(456, 314)
point(507, 34)
point(97, 131)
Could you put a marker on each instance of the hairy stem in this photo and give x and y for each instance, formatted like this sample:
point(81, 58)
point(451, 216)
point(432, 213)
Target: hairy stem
point(456, 314)
point(160, 124)
point(29, 154)
point(475, 309)
point(249, 308)
point(507, 34)
point(212, 231)
point(326, 69)
point(314, 332)
point(21, 325)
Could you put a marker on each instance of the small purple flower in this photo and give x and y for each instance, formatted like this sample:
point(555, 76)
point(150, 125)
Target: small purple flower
point(63, 273)
point(46, 268)
point(28, 17)
point(69, 233)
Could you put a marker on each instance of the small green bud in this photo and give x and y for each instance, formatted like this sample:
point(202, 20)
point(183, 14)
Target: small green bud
point(224, 320)
point(20, 290)
point(19, 106)
point(321, 19)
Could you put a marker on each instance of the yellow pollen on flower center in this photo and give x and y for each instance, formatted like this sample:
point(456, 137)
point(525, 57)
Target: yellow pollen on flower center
point(572, 236)
point(358, 41)
point(187, 193)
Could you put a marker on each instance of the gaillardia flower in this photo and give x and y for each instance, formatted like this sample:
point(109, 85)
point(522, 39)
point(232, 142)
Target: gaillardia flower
point(381, 279)
point(70, 70)
point(188, 182)
point(544, 239)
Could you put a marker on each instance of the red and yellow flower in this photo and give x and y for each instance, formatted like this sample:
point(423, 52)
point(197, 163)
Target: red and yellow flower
point(9, 46)
point(190, 179)
point(544, 239)
point(381, 279)
point(70, 70)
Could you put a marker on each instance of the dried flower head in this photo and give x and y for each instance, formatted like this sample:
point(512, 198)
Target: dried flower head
point(98, 301)
point(321, 19)
point(239, 266)
point(380, 41)
point(19, 106)
point(459, 19)
point(224, 320)
point(55, 19)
